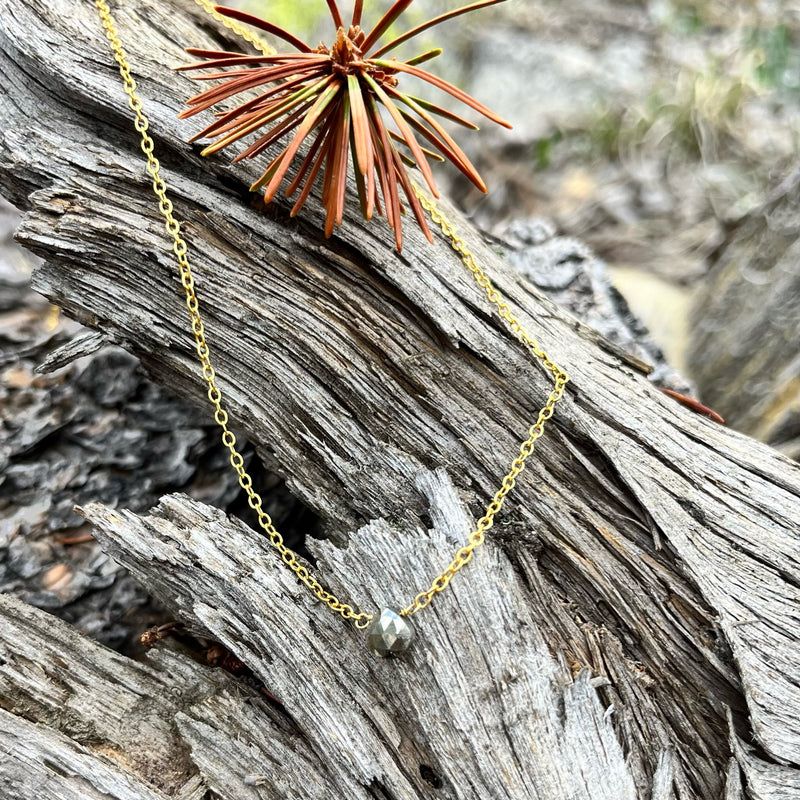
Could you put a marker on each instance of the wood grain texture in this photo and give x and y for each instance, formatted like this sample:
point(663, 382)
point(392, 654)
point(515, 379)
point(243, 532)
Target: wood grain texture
point(168, 728)
point(651, 554)
point(753, 375)
point(469, 707)
point(38, 762)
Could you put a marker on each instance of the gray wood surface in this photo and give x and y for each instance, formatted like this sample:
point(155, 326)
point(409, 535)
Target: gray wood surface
point(633, 617)
point(84, 722)
point(745, 341)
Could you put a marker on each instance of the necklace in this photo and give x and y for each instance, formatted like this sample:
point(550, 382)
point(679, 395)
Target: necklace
point(388, 632)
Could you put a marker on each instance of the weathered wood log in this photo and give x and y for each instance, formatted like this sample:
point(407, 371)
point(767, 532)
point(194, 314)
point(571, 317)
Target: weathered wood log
point(643, 579)
point(456, 696)
point(750, 370)
point(97, 724)
point(61, 445)
point(67, 395)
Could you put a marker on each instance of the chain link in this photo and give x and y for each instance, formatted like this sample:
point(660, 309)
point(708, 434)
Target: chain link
point(560, 378)
point(234, 26)
point(179, 247)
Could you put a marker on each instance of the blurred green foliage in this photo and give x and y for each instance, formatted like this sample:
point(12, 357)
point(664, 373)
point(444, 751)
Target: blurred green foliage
point(698, 112)
point(304, 18)
point(311, 19)
point(779, 53)
point(687, 19)
point(543, 149)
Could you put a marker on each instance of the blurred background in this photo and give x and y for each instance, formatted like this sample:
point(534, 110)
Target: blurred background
point(654, 143)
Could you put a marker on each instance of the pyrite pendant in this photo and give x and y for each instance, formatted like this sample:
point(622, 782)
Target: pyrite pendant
point(389, 633)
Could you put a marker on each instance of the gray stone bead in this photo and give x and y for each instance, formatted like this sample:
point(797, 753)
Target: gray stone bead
point(389, 633)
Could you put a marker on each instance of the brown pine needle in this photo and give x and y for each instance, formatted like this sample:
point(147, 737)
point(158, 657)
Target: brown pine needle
point(360, 125)
point(309, 159)
point(385, 22)
point(442, 112)
point(444, 86)
point(337, 17)
point(335, 98)
point(428, 153)
point(430, 23)
point(262, 24)
point(305, 128)
point(406, 132)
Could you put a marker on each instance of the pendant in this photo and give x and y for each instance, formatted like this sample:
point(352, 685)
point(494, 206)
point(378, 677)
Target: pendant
point(389, 633)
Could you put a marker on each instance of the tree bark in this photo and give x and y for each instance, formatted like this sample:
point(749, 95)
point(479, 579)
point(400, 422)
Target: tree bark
point(629, 630)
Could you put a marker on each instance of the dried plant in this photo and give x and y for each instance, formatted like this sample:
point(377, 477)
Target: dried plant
point(337, 98)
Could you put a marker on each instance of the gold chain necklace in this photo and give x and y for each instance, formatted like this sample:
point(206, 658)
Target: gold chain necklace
point(390, 631)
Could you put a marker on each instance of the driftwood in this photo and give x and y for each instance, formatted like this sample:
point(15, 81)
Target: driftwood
point(117, 728)
point(68, 394)
point(629, 629)
point(81, 422)
point(750, 370)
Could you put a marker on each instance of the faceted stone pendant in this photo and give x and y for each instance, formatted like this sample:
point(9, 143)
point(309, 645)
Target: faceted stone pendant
point(389, 633)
